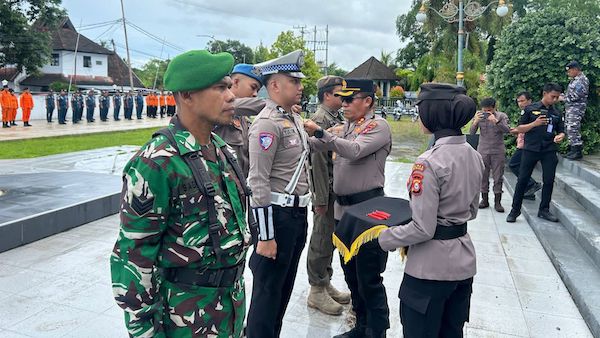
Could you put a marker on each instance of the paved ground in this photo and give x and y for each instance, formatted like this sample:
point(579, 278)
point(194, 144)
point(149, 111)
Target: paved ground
point(42, 128)
point(60, 286)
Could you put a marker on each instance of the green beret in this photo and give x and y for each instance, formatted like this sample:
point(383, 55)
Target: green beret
point(196, 69)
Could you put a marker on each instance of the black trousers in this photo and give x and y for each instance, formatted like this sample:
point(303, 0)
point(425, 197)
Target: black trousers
point(515, 164)
point(529, 159)
point(430, 308)
point(138, 111)
point(128, 112)
point(363, 276)
point(170, 110)
point(104, 114)
point(62, 115)
point(116, 112)
point(163, 111)
point(274, 279)
point(89, 115)
point(49, 113)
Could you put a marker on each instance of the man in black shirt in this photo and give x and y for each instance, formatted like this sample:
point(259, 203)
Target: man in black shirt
point(543, 126)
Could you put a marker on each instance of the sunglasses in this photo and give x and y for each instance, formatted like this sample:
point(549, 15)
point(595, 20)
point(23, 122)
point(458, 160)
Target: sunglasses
point(349, 99)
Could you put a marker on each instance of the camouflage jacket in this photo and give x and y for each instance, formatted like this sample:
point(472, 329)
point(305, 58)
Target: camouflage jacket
point(578, 91)
point(164, 224)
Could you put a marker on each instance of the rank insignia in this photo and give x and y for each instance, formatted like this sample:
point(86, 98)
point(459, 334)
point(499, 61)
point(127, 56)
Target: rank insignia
point(536, 112)
point(142, 205)
point(265, 140)
point(369, 127)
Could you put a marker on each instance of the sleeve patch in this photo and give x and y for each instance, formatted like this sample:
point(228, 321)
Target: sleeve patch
point(418, 167)
point(141, 206)
point(416, 184)
point(265, 140)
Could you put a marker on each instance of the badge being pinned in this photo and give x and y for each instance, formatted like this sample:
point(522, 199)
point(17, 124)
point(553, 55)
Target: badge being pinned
point(265, 140)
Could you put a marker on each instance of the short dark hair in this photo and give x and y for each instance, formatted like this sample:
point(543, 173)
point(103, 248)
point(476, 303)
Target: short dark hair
point(322, 91)
point(488, 102)
point(526, 94)
point(552, 87)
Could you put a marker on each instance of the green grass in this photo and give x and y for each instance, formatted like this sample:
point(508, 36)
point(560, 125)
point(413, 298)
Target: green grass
point(43, 146)
point(402, 131)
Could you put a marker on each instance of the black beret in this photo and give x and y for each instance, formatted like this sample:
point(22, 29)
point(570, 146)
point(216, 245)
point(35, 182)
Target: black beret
point(573, 64)
point(439, 91)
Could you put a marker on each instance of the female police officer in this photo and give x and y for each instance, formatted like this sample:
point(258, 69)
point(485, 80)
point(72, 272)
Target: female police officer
point(444, 188)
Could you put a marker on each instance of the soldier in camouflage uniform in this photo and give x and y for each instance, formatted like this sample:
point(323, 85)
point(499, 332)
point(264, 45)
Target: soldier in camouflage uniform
point(576, 101)
point(173, 273)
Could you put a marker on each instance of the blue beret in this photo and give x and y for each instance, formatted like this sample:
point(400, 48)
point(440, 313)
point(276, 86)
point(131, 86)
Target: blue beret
point(246, 69)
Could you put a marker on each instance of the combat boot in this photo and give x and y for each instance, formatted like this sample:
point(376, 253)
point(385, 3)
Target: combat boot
point(484, 201)
point(337, 295)
point(497, 205)
point(319, 299)
point(5, 125)
point(575, 154)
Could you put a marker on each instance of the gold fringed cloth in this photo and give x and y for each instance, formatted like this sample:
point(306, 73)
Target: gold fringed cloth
point(357, 228)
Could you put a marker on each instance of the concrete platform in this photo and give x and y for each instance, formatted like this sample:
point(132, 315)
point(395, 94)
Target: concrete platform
point(60, 286)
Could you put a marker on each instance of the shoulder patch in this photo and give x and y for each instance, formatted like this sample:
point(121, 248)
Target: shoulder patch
point(140, 205)
point(415, 183)
point(266, 140)
point(369, 127)
point(418, 167)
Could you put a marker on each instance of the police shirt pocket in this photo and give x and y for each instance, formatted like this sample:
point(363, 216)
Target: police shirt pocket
point(291, 141)
point(414, 299)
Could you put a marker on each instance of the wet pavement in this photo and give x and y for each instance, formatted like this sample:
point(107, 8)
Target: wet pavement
point(60, 286)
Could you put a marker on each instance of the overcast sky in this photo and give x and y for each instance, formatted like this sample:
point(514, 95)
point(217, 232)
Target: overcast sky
point(358, 29)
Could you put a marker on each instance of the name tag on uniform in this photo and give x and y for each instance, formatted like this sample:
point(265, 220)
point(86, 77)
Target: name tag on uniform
point(289, 131)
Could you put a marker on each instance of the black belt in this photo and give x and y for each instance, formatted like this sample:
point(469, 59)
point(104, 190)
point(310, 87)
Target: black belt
point(359, 197)
point(212, 278)
point(444, 232)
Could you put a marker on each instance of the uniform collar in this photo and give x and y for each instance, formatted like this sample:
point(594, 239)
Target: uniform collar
point(451, 140)
point(186, 142)
point(331, 112)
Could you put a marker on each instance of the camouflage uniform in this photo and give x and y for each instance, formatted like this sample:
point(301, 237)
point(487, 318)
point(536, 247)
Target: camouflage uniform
point(576, 101)
point(164, 224)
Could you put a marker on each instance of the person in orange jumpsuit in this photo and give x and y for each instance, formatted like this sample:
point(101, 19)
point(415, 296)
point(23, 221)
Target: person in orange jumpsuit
point(26, 101)
point(171, 104)
point(151, 105)
point(14, 105)
point(5, 104)
point(162, 103)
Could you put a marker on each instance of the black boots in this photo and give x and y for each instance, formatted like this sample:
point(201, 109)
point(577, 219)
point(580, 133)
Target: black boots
point(26, 124)
point(357, 332)
point(547, 215)
point(497, 200)
point(484, 201)
point(575, 153)
point(5, 125)
point(512, 216)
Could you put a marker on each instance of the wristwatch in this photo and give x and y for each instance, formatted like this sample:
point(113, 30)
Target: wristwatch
point(319, 133)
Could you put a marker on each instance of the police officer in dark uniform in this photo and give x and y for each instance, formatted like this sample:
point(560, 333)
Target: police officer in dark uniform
point(104, 103)
point(543, 126)
point(139, 105)
point(63, 105)
point(90, 104)
point(128, 103)
point(50, 105)
point(117, 105)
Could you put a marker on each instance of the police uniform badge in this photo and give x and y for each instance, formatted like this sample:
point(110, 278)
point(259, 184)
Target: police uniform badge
point(266, 140)
point(237, 123)
point(415, 181)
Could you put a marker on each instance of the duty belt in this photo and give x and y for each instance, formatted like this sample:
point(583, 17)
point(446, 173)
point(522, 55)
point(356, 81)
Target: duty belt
point(286, 200)
point(359, 197)
point(444, 232)
point(212, 278)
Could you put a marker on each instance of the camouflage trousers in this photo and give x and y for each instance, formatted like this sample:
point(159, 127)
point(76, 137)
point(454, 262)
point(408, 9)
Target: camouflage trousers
point(574, 115)
point(320, 249)
point(192, 311)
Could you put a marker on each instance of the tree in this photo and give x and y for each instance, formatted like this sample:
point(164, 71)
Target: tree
point(386, 59)
point(148, 72)
point(534, 50)
point(241, 53)
point(261, 53)
point(287, 42)
point(22, 44)
point(333, 69)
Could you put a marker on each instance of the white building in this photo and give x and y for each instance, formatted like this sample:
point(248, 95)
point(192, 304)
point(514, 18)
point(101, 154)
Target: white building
point(96, 67)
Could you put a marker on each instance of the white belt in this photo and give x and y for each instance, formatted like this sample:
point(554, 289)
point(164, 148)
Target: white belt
point(286, 200)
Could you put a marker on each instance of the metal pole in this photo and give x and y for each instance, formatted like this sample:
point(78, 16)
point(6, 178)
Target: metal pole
point(158, 65)
point(127, 47)
point(75, 59)
point(460, 75)
point(326, 49)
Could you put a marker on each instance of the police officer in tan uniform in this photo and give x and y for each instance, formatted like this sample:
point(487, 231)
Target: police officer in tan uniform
point(360, 149)
point(245, 84)
point(279, 181)
point(444, 189)
point(322, 295)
